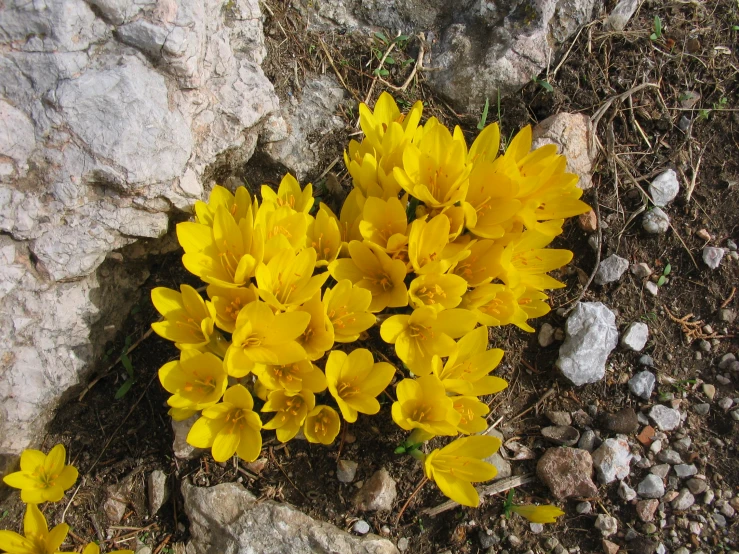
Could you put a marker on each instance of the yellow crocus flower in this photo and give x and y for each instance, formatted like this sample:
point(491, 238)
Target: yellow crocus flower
point(228, 301)
point(318, 337)
point(349, 218)
point(42, 478)
point(486, 146)
point(538, 514)
point(38, 539)
point(429, 249)
point(494, 305)
point(375, 123)
point(197, 380)
point(293, 377)
point(472, 412)
point(321, 425)
point(283, 229)
point(426, 333)
point(437, 291)
point(230, 427)
point(236, 204)
point(384, 222)
point(482, 265)
point(355, 381)
point(188, 319)
point(292, 408)
point(490, 201)
point(459, 464)
point(347, 308)
point(369, 267)
point(467, 369)
point(287, 280)
point(423, 404)
point(262, 336)
point(325, 237)
point(362, 163)
point(289, 194)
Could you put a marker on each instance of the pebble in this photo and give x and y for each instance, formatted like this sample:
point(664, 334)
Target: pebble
point(669, 457)
point(683, 501)
point(664, 188)
point(652, 288)
point(704, 345)
point(703, 235)
point(611, 269)
point(546, 335)
point(361, 527)
point(624, 421)
point(158, 492)
point(635, 336)
point(536, 528)
point(642, 384)
point(712, 256)
point(708, 497)
point(682, 550)
point(726, 360)
point(626, 492)
point(559, 418)
point(667, 419)
point(656, 222)
point(731, 245)
point(609, 547)
point(725, 403)
point(403, 544)
point(514, 541)
point(612, 459)
point(651, 487)
point(646, 360)
point(645, 509)
point(723, 380)
point(727, 509)
point(682, 445)
point(685, 470)
point(696, 486)
point(735, 415)
point(695, 528)
point(607, 525)
point(709, 391)
point(583, 508)
point(377, 493)
point(702, 408)
point(727, 315)
point(660, 470)
point(562, 435)
point(567, 471)
point(719, 520)
point(346, 470)
point(646, 437)
point(640, 271)
point(588, 221)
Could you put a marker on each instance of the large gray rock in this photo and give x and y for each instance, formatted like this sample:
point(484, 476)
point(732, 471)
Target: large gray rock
point(228, 519)
point(481, 49)
point(105, 132)
point(591, 335)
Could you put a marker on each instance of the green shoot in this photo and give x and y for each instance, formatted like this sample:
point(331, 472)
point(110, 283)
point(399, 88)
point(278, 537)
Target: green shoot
point(544, 84)
point(657, 34)
point(484, 116)
point(128, 366)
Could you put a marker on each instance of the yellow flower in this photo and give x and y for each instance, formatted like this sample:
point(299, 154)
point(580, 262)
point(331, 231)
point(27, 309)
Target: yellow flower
point(437, 291)
point(230, 427)
point(526, 261)
point(93, 548)
point(289, 194)
point(486, 145)
point(434, 168)
point(42, 478)
point(292, 408)
point(361, 162)
point(490, 201)
point(321, 425)
point(426, 333)
point(496, 305)
point(355, 380)
point(429, 249)
point(346, 307)
point(482, 265)
point(38, 539)
point(224, 254)
point(228, 301)
point(471, 410)
point(532, 302)
point(236, 204)
point(318, 337)
point(467, 368)
point(423, 404)
point(324, 235)
point(282, 227)
point(384, 222)
point(293, 377)
point(196, 381)
point(375, 123)
point(539, 514)
point(287, 280)
point(188, 319)
point(264, 337)
point(459, 464)
point(371, 268)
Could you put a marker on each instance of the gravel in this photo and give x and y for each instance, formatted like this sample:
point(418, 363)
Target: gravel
point(656, 222)
point(651, 487)
point(635, 336)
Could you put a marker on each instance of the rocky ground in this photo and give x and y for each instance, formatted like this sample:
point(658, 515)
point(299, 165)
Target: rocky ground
point(622, 408)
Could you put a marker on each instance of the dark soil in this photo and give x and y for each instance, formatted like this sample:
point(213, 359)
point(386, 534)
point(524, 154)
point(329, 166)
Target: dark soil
point(109, 439)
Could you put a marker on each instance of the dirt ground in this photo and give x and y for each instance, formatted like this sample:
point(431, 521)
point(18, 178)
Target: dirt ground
point(641, 136)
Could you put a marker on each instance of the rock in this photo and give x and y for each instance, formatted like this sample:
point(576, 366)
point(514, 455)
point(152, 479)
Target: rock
point(640, 271)
point(361, 527)
point(727, 315)
point(611, 269)
point(667, 419)
point(607, 525)
point(652, 288)
point(626, 492)
point(228, 518)
point(645, 509)
point(559, 418)
point(588, 440)
point(651, 487)
point(501, 464)
point(546, 335)
point(726, 360)
point(709, 391)
point(609, 547)
point(346, 470)
point(664, 188)
point(403, 544)
point(378, 493)
point(158, 491)
point(122, 495)
point(621, 13)
point(656, 222)
point(642, 545)
point(571, 133)
point(591, 336)
point(682, 445)
point(703, 235)
point(583, 508)
point(685, 470)
point(567, 471)
point(646, 437)
point(669, 457)
point(712, 256)
point(646, 360)
point(635, 337)
point(588, 221)
point(704, 345)
point(660, 470)
point(182, 449)
point(612, 459)
point(683, 501)
point(726, 403)
point(561, 435)
point(642, 384)
point(702, 409)
point(624, 421)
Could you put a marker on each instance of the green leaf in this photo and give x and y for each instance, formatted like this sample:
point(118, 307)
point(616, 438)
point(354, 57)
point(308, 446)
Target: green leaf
point(657, 26)
point(125, 387)
point(382, 37)
point(126, 362)
point(546, 86)
point(667, 270)
point(653, 36)
point(661, 281)
point(403, 38)
point(390, 61)
point(400, 450)
point(410, 211)
point(484, 116)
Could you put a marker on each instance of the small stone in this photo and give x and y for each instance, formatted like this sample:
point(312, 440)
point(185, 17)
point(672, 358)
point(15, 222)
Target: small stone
point(583, 508)
point(609, 547)
point(403, 544)
point(727, 509)
point(712, 256)
point(641, 270)
point(536, 528)
point(727, 315)
point(719, 520)
point(561, 435)
point(514, 541)
point(656, 446)
point(567, 471)
point(660, 470)
point(487, 538)
point(683, 124)
point(731, 245)
point(645, 509)
point(667, 419)
point(708, 497)
point(696, 486)
point(346, 470)
point(682, 445)
point(651, 487)
point(652, 288)
point(626, 492)
point(642, 545)
point(157, 490)
point(689, 98)
point(725, 403)
point(646, 360)
point(620, 16)
point(581, 418)
point(642, 384)
point(722, 380)
point(664, 188)
point(702, 408)
point(682, 550)
point(656, 222)
point(612, 459)
point(703, 235)
point(695, 528)
point(559, 418)
point(709, 390)
point(607, 525)
point(683, 501)
point(588, 222)
point(635, 336)
point(670, 457)
point(611, 269)
point(546, 335)
point(624, 421)
point(377, 493)
point(735, 415)
point(646, 437)
point(588, 441)
point(704, 345)
point(726, 360)
point(182, 449)
point(361, 527)
point(502, 466)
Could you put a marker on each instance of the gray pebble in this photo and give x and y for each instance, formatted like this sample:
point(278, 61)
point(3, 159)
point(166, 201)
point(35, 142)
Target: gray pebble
point(702, 408)
point(726, 360)
point(361, 527)
point(669, 457)
point(697, 486)
point(583, 508)
point(403, 544)
point(685, 470)
point(656, 222)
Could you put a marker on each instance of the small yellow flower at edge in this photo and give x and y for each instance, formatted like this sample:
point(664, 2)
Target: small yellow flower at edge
point(43, 478)
point(539, 514)
point(38, 539)
point(93, 548)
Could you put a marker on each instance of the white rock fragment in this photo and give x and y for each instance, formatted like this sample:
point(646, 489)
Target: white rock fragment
point(712, 256)
point(635, 337)
point(611, 460)
point(667, 419)
point(651, 487)
point(611, 269)
point(656, 222)
point(664, 188)
point(158, 491)
point(571, 132)
point(607, 525)
point(621, 14)
point(651, 287)
point(546, 335)
point(626, 492)
point(641, 270)
point(642, 384)
point(346, 470)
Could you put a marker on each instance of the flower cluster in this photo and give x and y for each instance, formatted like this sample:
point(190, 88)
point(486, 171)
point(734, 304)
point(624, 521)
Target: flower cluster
point(42, 478)
point(436, 242)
